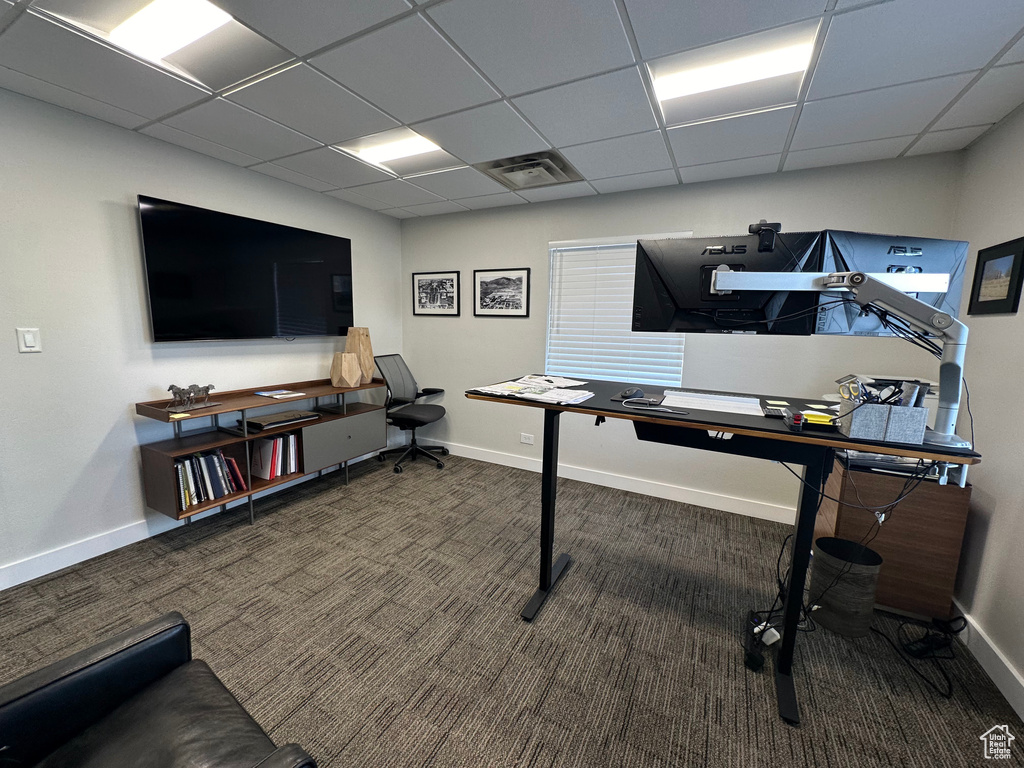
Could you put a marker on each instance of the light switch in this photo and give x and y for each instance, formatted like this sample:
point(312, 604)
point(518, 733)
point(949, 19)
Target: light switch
point(29, 340)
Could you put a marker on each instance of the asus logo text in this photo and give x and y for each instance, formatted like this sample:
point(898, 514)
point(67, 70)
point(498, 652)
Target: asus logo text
point(904, 250)
point(721, 249)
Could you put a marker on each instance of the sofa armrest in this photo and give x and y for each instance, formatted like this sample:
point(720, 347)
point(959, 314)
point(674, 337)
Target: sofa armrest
point(288, 756)
point(46, 708)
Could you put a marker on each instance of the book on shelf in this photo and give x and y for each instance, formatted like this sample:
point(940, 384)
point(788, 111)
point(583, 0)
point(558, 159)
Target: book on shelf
point(280, 394)
point(262, 458)
point(204, 472)
point(236, 474)
point(213, 472)
point(179, 472)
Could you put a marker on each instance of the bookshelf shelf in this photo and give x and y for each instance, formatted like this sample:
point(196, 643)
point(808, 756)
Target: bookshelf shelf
point(343, 431)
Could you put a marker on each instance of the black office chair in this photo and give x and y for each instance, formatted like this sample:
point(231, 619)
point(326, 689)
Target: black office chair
point(405, 413)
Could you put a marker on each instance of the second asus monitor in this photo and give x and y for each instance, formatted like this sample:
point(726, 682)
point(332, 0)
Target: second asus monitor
point(672, 287)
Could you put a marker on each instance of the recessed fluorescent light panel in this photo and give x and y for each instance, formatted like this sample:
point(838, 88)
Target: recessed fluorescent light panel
point(750, 73)
point(166, 26)
point(401, 151)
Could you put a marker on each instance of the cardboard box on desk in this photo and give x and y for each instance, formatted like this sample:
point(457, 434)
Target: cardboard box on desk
point(888, 423)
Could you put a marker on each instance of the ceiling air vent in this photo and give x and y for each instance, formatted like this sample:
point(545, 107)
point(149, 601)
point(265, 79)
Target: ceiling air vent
point(539, 169)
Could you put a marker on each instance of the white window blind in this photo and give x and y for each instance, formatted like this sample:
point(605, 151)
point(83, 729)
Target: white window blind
point(590, 315)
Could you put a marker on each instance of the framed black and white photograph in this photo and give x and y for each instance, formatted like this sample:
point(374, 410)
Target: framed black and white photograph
point(997, 279)
point(501, 292)
point(435, 293)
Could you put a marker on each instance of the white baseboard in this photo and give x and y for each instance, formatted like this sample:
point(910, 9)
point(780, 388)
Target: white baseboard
point(1008, 679)
point(52, 561)
point(76, 552)
point(748, 507)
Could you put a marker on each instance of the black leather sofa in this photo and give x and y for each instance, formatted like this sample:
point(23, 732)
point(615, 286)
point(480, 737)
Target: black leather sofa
point(137, 700)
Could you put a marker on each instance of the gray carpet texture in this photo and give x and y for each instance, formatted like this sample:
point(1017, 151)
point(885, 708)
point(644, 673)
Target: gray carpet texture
point(377, 624)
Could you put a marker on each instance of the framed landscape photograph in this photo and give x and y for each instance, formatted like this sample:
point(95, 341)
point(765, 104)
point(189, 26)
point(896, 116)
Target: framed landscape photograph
point(997, 279)
point(501, 292)
point(435, 293)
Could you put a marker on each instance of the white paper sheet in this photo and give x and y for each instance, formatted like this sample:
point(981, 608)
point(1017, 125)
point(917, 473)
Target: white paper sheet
point(747, 406)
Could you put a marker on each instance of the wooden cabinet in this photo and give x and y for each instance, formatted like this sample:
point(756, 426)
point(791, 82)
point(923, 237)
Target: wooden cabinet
point(919, 541)
point(344, 431)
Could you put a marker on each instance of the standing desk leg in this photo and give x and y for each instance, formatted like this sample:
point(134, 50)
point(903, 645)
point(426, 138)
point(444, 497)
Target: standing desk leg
point(549, 572)
point(815, 473)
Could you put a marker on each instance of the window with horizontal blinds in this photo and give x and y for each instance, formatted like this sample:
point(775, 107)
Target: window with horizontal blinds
point(590, 314)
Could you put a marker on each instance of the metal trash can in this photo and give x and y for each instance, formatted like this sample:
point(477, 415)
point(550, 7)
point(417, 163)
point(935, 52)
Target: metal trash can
point(844, 575)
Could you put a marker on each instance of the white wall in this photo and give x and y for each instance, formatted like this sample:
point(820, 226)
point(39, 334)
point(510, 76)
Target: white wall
point(70, 480)
point(991, 580)
point(914, 196)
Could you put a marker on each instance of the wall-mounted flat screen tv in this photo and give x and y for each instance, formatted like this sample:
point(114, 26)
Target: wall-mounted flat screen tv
point(213, 275)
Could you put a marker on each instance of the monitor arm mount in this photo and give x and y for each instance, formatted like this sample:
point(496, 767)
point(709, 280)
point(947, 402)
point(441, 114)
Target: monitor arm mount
point(885, 291)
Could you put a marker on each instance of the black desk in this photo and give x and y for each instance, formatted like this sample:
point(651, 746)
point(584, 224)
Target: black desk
point(753, 436)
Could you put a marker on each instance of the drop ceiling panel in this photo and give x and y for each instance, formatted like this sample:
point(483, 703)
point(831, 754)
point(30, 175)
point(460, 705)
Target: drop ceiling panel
point(557, 192)
point(49, 52)
point(303, 26)
point(351, 197)
point(901, 41)
point(621, 156)
point(993, 97)
point(492, 201)
point(225, 123)
point(668, 26)
point(435, 209)
point(530, 44)
point(579, 112)
point(286, 174)
point(305, 100)
point(461, 182)
point(334, 167)
point(196, 144)
point(397, 193)
point(897, 111)
point(763, 133)
point(408, 70)
point(862, 152)
point(62, 97)
point(635, 181)
point(730, 169)
point(483, 133)
point(947, 141)
point(399, 213)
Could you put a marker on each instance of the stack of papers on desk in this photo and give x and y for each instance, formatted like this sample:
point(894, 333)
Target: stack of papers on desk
point(543, 389)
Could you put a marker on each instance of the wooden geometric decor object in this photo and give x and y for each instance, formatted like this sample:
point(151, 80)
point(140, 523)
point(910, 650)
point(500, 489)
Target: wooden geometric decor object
point(358, 343)
point(345, 370)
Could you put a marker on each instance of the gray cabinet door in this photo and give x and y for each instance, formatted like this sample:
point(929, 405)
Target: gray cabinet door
point(338, 440)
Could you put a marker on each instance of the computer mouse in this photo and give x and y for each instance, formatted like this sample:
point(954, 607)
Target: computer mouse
point(631, 392)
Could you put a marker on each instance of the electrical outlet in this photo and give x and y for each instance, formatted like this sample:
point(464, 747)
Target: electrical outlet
point(525, 438)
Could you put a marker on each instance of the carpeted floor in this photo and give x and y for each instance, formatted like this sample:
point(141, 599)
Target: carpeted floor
point(378, 625)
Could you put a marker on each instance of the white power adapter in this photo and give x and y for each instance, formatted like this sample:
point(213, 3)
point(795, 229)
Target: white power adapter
point(768, 634)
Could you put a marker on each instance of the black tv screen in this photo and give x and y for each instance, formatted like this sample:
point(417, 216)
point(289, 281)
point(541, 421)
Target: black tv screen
point(213, 275)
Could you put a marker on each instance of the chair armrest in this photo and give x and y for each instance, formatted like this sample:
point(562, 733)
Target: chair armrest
point(44, 709)
point(288, 756)
point(430, 391)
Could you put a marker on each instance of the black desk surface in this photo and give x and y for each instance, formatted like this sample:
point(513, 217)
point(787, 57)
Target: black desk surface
point(602, 404)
